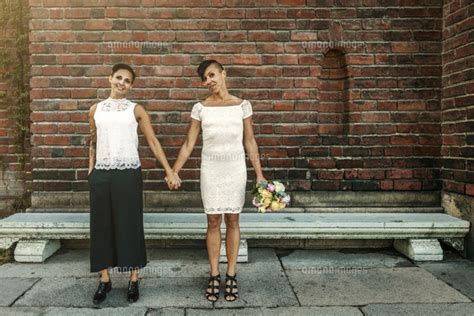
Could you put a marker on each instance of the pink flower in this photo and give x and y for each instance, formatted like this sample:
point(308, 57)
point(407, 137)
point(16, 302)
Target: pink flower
point(270, 187)
point(286, 199)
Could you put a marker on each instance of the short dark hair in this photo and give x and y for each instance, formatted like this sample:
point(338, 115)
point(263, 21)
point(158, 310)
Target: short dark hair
point(206, 63)
point(118, 67)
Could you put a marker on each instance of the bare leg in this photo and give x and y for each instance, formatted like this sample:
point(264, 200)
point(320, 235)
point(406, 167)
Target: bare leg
point(134, 275)
point(213, 241)
point(232, 241)
point(104, 275)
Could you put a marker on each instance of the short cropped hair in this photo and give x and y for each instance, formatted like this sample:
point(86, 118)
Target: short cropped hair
point(118, 67)
point(206, 63)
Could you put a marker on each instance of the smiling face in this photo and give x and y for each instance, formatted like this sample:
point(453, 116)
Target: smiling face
point(214, 78)
point(120, 82)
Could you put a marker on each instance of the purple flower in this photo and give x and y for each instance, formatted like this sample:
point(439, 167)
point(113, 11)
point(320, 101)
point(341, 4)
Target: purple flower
point(270, 187)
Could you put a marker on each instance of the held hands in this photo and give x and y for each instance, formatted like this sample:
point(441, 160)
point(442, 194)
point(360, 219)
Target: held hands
point(173, 180)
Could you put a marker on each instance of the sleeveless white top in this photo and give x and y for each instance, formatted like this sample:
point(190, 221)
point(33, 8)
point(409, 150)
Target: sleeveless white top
point(117, 138)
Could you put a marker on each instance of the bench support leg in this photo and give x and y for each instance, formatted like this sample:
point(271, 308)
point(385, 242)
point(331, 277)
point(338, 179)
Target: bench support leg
point(456, 243)
point(243, 252)
point(7, 242)
point(420, 249)
point(35, 250)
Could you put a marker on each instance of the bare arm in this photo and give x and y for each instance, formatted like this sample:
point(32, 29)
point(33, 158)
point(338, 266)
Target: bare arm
point(93, 138)
point(145, 126)
point(188, 146)
point(251, 147)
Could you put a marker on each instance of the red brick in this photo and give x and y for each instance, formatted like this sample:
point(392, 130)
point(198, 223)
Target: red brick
point(403, 140)
point(322, 163)
point(407, 185)
point(56, 140)
point(330, 175)
point(405, 47)
point(273, 13)
point(386, 185)
point(371, 174)
point(470, 189)
point(261, 36)
point(360, 59)
point(399, 174)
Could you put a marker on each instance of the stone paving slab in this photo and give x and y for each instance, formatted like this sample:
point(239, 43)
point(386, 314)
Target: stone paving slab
point(65, 263)
point(458, 309)
point(13, 288)
point(262, 282)
point(379, 285)
point(458, 274)
point(279, 311)
point(307, 259)
point(61, 311)
point(73, 292)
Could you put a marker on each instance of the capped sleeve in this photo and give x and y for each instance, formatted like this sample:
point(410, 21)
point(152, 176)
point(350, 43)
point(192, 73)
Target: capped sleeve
point(196, 111)
point(247, 109)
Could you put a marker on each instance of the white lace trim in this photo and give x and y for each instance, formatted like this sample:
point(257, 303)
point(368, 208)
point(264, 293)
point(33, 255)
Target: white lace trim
point(247, 109)
point(222, 210)
point(245, 105)
point(116, 105)
point(118, 164)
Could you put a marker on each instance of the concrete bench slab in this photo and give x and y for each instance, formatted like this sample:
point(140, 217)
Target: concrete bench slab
point(407, 227)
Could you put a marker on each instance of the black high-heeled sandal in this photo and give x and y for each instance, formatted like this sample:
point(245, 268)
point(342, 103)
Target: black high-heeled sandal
point(231, 291)
point(213, 288)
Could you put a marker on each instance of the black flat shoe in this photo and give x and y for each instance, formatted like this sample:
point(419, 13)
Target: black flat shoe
point(132, 293)
point(102, 290)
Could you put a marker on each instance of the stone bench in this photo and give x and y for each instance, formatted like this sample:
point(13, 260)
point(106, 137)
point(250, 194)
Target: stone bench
point(415, 235)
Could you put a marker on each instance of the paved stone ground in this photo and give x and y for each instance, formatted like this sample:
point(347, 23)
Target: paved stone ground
point(298, 282)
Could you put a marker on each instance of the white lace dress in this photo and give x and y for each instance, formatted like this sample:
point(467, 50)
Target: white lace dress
point(223, 169)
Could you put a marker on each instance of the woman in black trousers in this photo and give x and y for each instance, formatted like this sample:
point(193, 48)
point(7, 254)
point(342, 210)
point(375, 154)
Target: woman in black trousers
point(115, 180)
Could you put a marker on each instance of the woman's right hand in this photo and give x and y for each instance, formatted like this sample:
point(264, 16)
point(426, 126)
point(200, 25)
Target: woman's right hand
point(173, 180)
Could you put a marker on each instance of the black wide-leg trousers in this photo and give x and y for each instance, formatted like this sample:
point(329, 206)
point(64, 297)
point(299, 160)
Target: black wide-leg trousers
point(117, 238)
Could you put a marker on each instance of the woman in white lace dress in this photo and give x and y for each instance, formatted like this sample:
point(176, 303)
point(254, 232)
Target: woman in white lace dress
point(226, 123)
point(115, 181)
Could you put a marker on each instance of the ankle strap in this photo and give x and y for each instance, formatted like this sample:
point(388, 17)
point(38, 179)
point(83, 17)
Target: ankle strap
point(230, 277)
point(215, 277)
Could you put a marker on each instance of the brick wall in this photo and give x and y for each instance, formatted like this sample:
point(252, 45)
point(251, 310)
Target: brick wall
point(458, 98)
point(346, 93)
point(14, 161)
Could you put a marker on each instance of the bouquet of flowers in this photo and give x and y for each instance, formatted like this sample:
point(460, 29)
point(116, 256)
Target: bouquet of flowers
point(270, 196)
